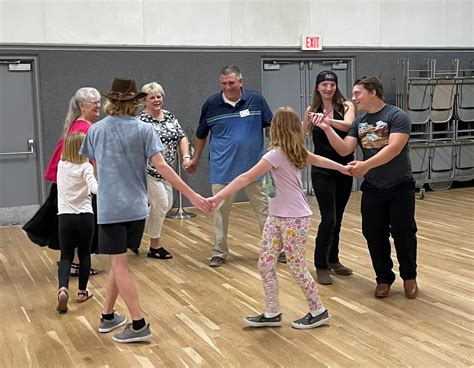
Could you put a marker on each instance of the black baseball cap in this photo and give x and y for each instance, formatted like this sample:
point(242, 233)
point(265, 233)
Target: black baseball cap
point(326, 75)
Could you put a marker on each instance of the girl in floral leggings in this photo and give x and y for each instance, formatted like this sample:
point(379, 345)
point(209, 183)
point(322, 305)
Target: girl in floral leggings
point(289, 217)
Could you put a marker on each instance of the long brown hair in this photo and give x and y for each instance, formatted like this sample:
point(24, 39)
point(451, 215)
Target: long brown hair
point(286, 133)
point(337, 101)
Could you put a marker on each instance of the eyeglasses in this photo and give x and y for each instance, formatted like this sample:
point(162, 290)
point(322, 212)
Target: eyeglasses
point(93, 102)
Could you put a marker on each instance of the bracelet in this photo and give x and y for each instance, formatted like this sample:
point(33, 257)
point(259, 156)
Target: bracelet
point(186, 156)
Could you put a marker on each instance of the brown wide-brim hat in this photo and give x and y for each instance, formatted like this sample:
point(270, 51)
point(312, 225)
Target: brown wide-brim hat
point(123, 90)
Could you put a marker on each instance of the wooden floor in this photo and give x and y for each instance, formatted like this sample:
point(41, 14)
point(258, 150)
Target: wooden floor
point(196, 311)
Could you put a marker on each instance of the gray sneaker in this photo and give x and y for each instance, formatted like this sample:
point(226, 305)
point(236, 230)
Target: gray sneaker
point(216, 261)
point(107, 325)
point(309, 321)
point(130, 335)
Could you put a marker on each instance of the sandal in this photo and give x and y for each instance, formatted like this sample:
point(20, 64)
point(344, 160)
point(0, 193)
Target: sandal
point(83, 296)
point(75, 270)
point(159, 253)
point(63, 297)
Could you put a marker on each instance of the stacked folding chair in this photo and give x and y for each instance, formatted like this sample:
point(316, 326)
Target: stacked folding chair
point(440, 104)
point(442, 133)
point(464, 132)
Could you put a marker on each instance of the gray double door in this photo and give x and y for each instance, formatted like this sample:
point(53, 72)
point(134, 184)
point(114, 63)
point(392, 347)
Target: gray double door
point(20, 184)
point(291, 83)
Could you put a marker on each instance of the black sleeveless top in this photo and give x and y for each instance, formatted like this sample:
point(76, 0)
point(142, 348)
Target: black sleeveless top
point(322, 146)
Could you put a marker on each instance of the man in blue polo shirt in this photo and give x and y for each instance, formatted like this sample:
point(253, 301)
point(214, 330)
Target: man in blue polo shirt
point(236, 119)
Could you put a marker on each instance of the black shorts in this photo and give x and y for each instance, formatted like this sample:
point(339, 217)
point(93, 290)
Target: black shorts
point(116, 238)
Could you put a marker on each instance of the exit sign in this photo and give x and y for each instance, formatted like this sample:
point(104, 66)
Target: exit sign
point(311, 42)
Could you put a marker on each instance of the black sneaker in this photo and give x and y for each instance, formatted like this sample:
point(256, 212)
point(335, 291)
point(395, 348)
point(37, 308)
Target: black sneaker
point(309, 321)
point(282, 257)
point(262, 321)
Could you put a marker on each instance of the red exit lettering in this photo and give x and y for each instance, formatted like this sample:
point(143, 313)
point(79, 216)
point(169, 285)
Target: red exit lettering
point(312, 43)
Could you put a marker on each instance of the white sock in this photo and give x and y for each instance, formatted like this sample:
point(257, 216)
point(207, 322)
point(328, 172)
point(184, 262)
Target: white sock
point(270, 315)
point(317, 312)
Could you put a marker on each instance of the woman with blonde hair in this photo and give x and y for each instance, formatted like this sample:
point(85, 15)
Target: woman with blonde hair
point(289, 219)
point(160, 192)
point(75, 181)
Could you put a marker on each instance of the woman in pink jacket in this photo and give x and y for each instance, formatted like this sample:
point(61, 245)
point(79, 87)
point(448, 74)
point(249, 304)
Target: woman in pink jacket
point(42, 229)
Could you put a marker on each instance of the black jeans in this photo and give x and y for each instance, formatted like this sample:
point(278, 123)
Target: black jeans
point(332, 192)
point(75, 230)
point(388, 212)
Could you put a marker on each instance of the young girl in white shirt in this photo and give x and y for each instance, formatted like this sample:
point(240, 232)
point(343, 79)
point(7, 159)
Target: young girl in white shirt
point(289, 219)
point(76, 182)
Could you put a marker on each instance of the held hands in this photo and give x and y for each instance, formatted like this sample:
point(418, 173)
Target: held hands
point(214, 201)
point(321, 120)
point(205, 204)
point(201, 203)
point(186, 163)
point(358, 168)
point(354, 168)
point(190, 166)
point(346, 170)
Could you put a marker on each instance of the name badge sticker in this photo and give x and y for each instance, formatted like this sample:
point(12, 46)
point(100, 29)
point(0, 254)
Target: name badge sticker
point(244, 113)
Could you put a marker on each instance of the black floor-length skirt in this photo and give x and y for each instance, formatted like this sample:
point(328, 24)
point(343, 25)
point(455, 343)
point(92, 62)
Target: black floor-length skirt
point(42, 228)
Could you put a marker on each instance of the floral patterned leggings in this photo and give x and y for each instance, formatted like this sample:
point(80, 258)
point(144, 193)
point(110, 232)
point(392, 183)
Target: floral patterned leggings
point(288, 234)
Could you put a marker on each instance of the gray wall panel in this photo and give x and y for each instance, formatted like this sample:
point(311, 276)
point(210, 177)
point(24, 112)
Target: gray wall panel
point(188, 76)
point(188, 79)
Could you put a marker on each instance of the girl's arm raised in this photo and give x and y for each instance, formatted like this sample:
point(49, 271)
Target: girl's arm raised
point(260, 169)
point(169, 174)
point(320, 161)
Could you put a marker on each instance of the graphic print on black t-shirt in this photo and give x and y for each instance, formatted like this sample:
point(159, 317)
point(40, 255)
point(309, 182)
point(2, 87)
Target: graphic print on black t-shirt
point(373, 136)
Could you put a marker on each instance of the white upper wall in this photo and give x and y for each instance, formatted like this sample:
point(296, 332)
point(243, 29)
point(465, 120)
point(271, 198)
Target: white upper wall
point(245, 23)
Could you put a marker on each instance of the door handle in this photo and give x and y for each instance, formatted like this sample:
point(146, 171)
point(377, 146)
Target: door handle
point(31, 148)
